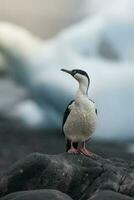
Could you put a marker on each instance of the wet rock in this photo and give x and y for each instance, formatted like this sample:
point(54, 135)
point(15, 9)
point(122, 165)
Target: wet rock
point(76, 175)
point(110, 195)
point(37, 195)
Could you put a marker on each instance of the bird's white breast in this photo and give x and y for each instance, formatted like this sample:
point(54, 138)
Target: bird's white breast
point(81, 122)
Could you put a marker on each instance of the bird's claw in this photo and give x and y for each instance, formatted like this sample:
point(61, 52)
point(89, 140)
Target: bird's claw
point(73, 150)
point(85, 152)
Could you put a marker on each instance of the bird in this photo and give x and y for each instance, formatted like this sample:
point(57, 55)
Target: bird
point(80, 116)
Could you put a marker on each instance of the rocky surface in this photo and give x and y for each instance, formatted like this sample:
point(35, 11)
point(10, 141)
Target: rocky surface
point(110, 195)
point(78, 176)
point(37, 195)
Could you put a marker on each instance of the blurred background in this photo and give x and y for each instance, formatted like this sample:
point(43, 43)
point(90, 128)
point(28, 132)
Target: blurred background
point(37, 39)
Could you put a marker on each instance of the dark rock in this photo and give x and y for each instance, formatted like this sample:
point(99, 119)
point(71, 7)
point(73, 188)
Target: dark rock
point(76, 175)
point(37, 195)
point(110, 195)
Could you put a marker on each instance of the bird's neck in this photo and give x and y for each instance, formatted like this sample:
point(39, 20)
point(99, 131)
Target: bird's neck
point(82, 90)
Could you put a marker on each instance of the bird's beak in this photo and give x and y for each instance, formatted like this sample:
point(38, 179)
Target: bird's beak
point(67, 71)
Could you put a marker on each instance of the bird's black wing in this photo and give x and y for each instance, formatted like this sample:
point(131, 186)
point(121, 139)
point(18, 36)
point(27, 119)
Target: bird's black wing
point(66, 113)
point(95, 108)
point(96, 111)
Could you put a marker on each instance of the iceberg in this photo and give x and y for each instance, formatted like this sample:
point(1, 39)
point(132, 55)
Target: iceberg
point(102, 44)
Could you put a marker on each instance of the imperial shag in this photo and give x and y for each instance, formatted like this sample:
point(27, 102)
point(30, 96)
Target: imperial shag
point(79, 121)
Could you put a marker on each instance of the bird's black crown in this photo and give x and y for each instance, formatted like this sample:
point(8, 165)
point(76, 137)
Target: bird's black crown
point(79, 71)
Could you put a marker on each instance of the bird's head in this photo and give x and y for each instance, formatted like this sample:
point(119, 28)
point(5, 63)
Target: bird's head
point(80, 75)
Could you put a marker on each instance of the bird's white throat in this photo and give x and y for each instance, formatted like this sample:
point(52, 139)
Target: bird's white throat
point(83, 87)
point(83, 84)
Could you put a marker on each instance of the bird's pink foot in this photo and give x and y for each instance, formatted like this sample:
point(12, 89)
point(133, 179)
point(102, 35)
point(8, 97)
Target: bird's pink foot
point(85, 152)
point(73, 150)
